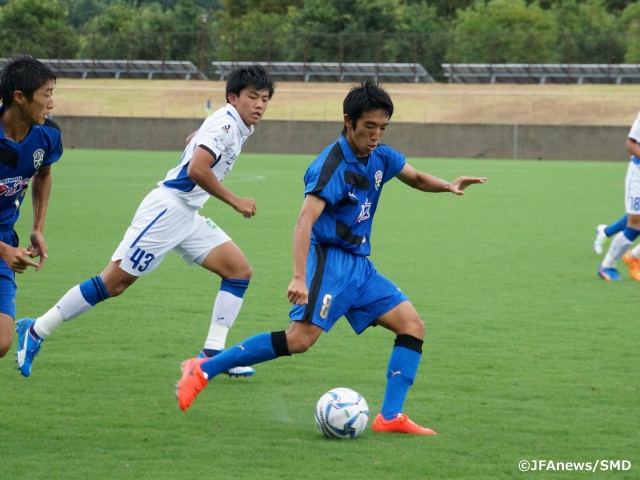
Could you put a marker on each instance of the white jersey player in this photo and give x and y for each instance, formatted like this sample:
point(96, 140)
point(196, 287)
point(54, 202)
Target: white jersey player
point(168, 219)
point(625, 238)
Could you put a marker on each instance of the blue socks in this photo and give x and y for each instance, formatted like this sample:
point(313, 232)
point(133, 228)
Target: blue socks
point(616, 227)
point(94, 291)
point(401, 372)
point(631, 233)
point(257, 349)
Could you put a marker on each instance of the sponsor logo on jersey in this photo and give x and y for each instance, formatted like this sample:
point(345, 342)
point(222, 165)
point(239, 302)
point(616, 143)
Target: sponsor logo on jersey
point(365, 211)
point(219, 140)
point(378, 178)
point(38, 155)
point(11, 186)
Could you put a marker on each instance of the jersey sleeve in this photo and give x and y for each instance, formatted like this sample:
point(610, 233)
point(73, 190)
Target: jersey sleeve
point(216, 136)
point(635, 130)
point(396, 162)
point(54, 138)
point(322, 182)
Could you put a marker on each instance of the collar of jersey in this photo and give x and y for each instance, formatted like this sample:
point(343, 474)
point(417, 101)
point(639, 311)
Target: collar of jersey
point(349, 156)
point(233, 113)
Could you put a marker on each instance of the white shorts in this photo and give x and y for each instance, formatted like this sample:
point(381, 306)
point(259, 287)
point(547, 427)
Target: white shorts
point(632, 189)
point(162, 223)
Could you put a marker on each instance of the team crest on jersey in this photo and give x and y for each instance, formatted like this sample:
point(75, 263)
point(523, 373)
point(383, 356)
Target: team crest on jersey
point(365, 211)
point(38, 155)
point(226, 128)
point(378, 178)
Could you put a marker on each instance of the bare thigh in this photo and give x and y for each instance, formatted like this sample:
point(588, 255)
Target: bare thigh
point(228, 261)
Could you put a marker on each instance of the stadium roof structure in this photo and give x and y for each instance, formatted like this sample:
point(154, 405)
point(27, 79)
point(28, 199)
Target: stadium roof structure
point(541, 73)
point(148, 69)
point(335, 72)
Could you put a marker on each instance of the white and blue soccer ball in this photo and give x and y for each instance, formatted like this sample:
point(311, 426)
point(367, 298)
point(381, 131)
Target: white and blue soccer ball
point(342, 413)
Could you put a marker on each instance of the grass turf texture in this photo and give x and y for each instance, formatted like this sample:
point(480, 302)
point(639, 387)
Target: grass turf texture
point(527, 354)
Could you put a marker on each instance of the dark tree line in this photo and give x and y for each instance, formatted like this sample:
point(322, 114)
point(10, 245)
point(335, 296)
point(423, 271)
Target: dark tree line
point(429, 32)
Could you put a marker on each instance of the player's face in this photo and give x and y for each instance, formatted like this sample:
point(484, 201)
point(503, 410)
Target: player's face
point(250, 104)
point(370, 128)
point(39, 107)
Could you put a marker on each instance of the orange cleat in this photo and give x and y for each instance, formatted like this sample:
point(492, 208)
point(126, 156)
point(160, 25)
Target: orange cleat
point(191, 383)
point(634, 265)
point(400, 424)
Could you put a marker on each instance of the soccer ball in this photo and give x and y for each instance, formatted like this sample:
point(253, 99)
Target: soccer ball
point(342, 413)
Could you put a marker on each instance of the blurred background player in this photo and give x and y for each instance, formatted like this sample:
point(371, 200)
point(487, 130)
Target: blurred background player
point(168, 219)
point(630, 229)
point(29, 144)
point(333, 275)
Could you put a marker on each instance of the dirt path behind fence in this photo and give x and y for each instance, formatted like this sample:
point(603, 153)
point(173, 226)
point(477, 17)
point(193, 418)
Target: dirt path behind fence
point(429, 103)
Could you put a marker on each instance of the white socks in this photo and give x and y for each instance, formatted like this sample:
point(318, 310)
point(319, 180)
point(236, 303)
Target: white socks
point(619, 245)
point(225, 311)
point(70, 306)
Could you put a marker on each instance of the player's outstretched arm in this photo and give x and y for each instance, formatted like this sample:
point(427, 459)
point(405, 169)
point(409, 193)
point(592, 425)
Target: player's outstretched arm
point(41, 185)
point(428, 183)
point(199, 170)
point(311, 209)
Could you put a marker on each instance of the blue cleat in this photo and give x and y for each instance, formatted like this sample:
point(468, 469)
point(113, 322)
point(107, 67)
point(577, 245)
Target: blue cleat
point(233, 371)
point(609, 274)
point(28, 346)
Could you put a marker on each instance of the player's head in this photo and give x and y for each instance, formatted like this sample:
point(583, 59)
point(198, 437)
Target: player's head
point(367, 110)
point(28, 82)
point(249, 90)
point(366, 97)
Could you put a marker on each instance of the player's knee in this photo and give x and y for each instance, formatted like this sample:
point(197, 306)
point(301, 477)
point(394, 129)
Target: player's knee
point(633, 221)
point(246, 273)
point(117, 288)
point(299, 343)
point(414, 327)
point(5, 345)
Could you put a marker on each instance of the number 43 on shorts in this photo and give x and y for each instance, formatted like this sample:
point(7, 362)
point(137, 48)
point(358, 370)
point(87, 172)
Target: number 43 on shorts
point(140, 256)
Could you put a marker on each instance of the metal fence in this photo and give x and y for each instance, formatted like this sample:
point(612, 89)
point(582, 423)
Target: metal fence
point(430, 50)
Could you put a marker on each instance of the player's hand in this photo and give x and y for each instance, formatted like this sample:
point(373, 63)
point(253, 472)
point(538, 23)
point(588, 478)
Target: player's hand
point(190, 137)
point(297, 292)
point(247, 207)
point(459, 184)
point(17, 259)
point(38, 248)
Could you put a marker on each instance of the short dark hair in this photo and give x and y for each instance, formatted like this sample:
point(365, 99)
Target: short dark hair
point(252, 76)
point(25, 74)
point(367, 96)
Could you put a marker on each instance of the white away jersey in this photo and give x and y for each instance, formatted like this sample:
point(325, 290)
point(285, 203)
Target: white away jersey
point(635, 130)
point(222, 134)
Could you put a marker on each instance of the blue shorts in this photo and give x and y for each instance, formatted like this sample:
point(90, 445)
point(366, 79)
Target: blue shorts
point(341, 283)
point(8, 286)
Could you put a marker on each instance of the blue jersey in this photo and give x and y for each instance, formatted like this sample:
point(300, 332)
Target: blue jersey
point(351, 190)
point(20, 161)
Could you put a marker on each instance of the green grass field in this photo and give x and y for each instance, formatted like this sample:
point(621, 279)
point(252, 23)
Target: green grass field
point(528, 355)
